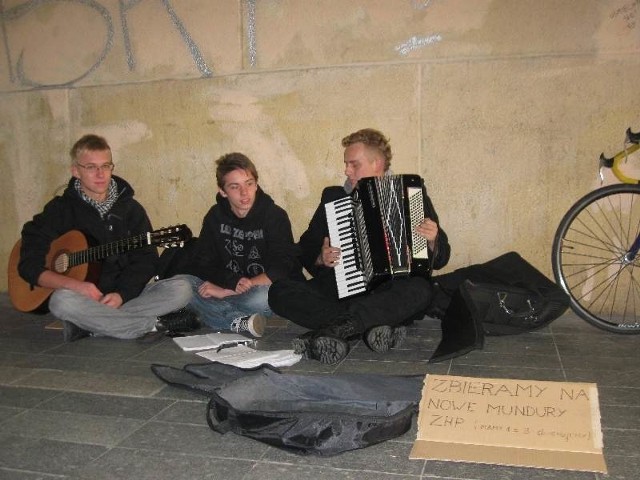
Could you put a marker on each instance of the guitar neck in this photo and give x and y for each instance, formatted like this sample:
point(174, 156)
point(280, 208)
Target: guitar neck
point(100, 252)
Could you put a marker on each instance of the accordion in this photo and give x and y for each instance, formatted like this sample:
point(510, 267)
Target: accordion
point(374, 228)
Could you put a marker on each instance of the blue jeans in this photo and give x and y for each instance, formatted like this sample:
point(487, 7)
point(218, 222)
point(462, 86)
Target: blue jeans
point(218, 313)
point(133, 319)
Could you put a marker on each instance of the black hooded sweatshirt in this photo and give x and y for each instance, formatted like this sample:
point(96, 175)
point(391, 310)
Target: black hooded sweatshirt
point(230, 247)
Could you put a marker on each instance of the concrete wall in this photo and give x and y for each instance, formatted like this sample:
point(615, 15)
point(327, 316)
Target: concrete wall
point(503, 106)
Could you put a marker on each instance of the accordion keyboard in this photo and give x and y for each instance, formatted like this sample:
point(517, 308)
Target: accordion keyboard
point(350, 278)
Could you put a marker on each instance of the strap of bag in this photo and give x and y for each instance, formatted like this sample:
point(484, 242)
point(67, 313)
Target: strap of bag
point(530, 314)
point(215, 410)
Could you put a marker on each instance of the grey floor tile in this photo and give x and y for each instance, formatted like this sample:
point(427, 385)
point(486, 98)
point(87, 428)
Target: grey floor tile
point(387, 367)
point(621, 442)
point(11, 474)
point(92, 382)
point(606, 378)
point(45, 456)
point(194, 412)
point(8, 412)
point(598, 345)
point(25, 397)
point(619, 395)
point(507, 371)
point(478, 471)
point(387, 457)
point(71, 427)
point(282, 471)
point(93, 408)
point(533, 343)
point(513, 360)
point(621, 467)
point(128, 464)
point(193, 439)
point(11, 374)
point(106, 405)
point(620, 416)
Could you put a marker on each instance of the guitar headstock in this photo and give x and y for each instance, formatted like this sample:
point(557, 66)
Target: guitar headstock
point(170, 237)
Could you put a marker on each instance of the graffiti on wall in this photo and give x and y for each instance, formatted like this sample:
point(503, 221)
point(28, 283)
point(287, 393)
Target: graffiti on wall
point(118, 28)
point(627, 13)
point(417, 42)
point(16, 66)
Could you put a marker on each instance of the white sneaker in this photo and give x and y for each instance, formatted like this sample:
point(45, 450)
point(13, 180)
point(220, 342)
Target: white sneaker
point(252, 324)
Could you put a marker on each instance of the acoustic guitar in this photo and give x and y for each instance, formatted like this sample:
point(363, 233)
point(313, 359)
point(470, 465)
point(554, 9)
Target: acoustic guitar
point(71, 255)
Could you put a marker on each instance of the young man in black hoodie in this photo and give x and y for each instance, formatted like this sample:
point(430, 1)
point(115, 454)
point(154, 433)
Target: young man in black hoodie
point(245, 244)
point(121, 303)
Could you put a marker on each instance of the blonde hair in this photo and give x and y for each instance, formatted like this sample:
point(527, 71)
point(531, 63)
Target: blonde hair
point(373, 139)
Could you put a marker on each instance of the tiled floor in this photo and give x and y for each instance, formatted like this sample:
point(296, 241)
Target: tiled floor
point(93, 409)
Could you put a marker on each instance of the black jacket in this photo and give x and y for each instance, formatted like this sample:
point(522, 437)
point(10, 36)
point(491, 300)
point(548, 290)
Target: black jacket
point(230, 247)
point(127, 273)
point(311, 240)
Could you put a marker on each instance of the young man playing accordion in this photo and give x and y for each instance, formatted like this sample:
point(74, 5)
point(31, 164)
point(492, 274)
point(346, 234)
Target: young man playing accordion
point(380, 314)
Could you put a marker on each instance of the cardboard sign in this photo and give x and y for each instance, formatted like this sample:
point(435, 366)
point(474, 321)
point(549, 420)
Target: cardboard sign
point(511, 422)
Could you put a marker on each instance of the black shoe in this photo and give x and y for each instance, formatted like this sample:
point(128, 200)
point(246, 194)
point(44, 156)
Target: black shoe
point(326, 349)
point(344, 328)
point(183, 320)
point(380, 339)
point(71, 332)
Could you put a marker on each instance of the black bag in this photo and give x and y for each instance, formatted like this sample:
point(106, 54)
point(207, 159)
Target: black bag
point(509, 310)
point(303, 414)
point(504, 296)
point(508, 294)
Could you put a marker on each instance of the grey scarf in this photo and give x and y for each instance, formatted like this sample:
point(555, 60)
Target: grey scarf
point(102, 207)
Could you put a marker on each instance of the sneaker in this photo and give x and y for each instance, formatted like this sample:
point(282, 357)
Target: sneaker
point(384, 337)
point(71, 332)
point(326, 349)
point(251, 324)
point(183, 320)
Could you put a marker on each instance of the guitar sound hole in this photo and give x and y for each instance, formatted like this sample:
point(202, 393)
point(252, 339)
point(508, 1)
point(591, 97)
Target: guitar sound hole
point(61, 263)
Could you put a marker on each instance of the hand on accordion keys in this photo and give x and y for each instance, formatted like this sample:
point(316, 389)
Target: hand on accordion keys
point(329, 256)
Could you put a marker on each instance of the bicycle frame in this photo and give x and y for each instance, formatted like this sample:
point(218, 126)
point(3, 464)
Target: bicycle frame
point(631, 145)
point(614, 164)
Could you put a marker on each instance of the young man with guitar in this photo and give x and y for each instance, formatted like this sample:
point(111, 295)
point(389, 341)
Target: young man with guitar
point(115, 297)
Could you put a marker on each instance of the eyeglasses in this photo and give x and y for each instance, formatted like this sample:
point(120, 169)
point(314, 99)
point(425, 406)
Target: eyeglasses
point(91, 168)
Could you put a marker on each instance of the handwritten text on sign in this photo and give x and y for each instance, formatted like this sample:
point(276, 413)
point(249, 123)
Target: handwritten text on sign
point(502, 412)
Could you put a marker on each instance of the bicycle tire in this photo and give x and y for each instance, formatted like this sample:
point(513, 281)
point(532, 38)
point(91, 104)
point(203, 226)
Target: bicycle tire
point(589, 262)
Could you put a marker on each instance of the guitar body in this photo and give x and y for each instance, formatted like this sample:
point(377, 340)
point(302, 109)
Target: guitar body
point(71, 255)
point(26, 299)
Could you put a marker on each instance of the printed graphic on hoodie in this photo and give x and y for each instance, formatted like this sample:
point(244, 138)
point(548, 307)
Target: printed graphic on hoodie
point(237, 245)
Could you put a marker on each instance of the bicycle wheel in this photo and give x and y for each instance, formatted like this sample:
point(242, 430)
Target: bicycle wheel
point(592, 261)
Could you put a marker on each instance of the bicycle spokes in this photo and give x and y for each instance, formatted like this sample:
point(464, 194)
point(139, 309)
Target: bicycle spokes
point(595, 257)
